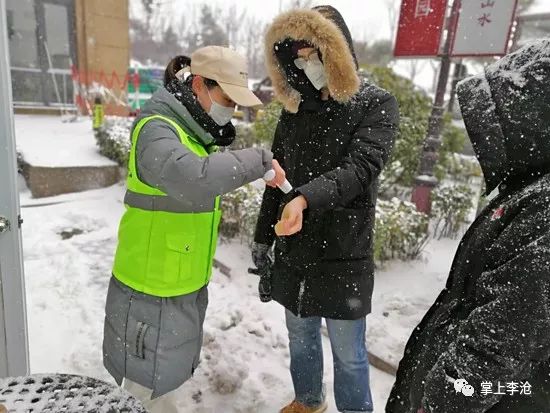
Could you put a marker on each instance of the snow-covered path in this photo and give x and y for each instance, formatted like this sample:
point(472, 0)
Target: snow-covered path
point(245, 356)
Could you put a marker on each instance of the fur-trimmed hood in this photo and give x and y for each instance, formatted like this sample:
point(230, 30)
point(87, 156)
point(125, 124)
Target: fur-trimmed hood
point(324, 28)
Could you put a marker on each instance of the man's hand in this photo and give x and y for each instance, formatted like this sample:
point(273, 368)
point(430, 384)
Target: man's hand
point(291, 220)
point(280, 175)
point(421, 410)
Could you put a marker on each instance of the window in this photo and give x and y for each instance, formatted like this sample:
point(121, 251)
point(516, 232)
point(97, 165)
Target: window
point(42, 47)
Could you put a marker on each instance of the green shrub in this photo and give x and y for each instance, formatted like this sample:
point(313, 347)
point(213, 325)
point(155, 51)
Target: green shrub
point(451, 205)
point(462, 168)
point(266, 122)
point(246, 137)
point(240, 213)
point(415, 108)
point(400, 231)
point(114, 139)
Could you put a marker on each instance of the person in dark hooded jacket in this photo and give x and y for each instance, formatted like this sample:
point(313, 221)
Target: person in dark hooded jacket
point(484, 345)
point(333, 139)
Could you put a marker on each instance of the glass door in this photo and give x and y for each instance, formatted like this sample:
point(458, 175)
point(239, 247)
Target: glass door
point(57, 48)
point(42, 48)
point(26, 73)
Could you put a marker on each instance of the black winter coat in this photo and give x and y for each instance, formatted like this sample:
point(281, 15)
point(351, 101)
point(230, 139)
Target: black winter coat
point(491, 323)
point(332, 153)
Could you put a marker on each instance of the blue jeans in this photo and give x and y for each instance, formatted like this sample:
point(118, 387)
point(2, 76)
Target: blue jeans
point(351, 366)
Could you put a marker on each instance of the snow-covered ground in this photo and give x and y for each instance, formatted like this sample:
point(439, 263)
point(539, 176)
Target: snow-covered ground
point(245, 357)
point(47, 141)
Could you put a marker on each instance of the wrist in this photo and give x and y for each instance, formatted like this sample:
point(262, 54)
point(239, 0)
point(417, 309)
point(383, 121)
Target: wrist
point(302, 201)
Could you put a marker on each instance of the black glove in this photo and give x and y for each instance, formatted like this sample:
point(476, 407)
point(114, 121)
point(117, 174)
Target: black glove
point(261, 256)
point(264, 268)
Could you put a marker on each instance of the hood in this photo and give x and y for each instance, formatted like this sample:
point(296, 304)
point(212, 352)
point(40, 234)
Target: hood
point(506, 111)
point(324, 28)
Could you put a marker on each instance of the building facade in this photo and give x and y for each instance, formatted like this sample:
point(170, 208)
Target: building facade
point(62, 52)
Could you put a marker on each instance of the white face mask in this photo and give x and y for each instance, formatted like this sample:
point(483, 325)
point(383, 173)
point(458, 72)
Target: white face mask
point(220, 114)
point(314, 70)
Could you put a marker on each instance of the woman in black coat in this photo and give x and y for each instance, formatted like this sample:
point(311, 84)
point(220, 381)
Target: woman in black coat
point(484, 346)
point(333, 138)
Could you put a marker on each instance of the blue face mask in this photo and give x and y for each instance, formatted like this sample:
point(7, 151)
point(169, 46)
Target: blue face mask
point(220, 114)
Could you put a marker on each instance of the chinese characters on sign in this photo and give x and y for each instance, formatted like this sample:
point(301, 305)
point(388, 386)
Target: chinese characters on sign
point(422, 8)
point(486, 17)
point(421, 23)
point(483, 28)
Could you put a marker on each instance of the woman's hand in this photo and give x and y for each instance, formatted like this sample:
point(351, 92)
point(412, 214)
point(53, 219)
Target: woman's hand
point(291, 220)
point(280, 175)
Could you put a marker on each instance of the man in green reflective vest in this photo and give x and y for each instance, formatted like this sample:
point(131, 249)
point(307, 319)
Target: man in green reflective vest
point(158, 295)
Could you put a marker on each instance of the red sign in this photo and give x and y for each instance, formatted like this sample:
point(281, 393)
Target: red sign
point(420, 27)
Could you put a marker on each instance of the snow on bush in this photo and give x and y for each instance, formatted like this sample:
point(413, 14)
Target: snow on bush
point(451, 205)
point(240, 212)
point(114, 139)
point(461, 168)
point(400, 231)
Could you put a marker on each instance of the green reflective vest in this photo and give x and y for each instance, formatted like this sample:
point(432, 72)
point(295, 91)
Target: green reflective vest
point(164, 248)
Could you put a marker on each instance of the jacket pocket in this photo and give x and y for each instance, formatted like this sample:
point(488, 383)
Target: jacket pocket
point(137, 332)
point(348, 234)
point(141, 350)
point(181, 256)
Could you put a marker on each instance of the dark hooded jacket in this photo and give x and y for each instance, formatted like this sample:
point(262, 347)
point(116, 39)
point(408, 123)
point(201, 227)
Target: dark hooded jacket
point(491, 323)
point(333, 152)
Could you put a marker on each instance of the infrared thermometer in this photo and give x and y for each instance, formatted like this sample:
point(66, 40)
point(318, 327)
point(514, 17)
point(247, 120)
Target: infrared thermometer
point(286, 187)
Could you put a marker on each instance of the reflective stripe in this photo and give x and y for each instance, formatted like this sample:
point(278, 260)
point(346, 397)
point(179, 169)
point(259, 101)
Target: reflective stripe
point(165, 203)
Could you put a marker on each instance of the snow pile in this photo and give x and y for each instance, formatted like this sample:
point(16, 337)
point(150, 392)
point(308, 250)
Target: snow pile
point(245, 357)
point(49, 142)
point(403, 293)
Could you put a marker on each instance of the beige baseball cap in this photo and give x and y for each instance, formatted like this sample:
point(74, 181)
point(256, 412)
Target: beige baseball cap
point(229, 69)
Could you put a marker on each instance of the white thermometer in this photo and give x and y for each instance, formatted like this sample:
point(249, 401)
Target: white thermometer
point(286, 187)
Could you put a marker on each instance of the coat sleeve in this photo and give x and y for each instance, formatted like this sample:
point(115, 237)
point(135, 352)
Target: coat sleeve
point(368, 152)
point(267, 218)
point(500, 340)
point(165, 163)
